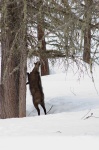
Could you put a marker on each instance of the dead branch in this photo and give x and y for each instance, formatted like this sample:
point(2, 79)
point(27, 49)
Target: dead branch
point(91, 115)
point(86, 114)
point(49, 109)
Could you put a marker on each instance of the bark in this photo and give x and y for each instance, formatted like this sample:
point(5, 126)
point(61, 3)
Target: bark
point(87, 45)
point(87, 32)
point(1, 100)
point(13, 64)
point(41, 40)
point(23, 63)
point(42, 48)
point(9, 61)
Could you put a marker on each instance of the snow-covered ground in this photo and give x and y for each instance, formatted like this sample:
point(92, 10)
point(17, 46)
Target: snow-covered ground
point(66, 126)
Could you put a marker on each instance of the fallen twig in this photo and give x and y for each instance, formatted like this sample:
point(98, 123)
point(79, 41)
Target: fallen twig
point(72, 92)
point(46, 113)
point(86, 114)
point(30, 112)
point(49, 109)
point(89, 116)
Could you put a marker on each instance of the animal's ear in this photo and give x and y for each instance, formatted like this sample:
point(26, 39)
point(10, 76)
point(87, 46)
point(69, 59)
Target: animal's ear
point(35, 63)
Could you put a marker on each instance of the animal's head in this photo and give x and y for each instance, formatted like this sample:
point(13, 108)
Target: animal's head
point(37, 65)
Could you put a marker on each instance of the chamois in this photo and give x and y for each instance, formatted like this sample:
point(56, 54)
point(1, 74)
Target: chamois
point(35, 85)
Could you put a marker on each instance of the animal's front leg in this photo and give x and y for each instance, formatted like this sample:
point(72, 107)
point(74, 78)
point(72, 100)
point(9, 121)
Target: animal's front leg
point(28, 78)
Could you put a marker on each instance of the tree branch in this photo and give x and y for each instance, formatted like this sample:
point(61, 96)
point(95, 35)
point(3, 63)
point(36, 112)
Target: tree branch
point(48, 53)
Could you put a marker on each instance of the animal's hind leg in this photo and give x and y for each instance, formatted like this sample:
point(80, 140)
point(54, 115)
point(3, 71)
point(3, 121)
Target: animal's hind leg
point(43, 106)
point(37, 108)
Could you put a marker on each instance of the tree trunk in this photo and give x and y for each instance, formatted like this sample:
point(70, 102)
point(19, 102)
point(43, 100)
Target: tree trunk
point(87, 32)
point(1, 101)
point(87, 45)
point(41, 40)
point(23, 62)
point(13, 63)
point(44, 60)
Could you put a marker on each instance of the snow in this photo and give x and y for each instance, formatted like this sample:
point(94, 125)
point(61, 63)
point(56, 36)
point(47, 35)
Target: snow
point(66, 125)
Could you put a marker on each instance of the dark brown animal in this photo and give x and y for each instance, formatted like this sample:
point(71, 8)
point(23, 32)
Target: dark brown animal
point(35, 85)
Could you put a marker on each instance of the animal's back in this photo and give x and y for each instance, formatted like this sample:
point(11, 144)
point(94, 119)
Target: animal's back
point(36, 86)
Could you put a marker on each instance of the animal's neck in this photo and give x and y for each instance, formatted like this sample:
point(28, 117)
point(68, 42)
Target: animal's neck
point(35, 70)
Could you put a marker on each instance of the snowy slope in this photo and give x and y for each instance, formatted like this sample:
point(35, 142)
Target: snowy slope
point(67, 124)
point(72, 100)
